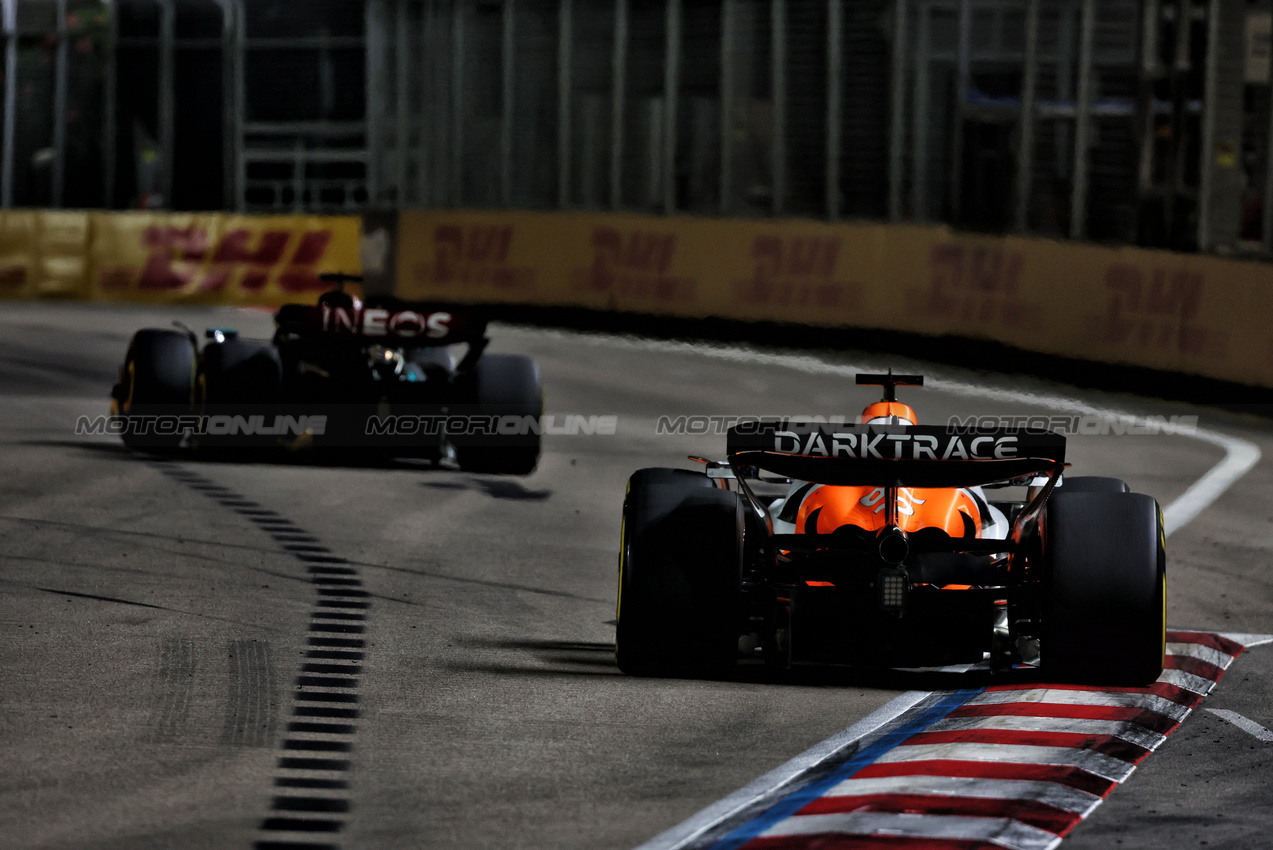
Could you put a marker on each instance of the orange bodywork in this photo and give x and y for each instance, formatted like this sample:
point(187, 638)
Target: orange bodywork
point(951, 510)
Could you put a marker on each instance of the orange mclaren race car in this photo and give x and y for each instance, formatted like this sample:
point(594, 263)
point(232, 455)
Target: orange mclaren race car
point(885, 551)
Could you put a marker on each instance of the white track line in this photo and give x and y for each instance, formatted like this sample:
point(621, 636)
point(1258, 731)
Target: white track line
point(1245, 724)
point(1240, 456)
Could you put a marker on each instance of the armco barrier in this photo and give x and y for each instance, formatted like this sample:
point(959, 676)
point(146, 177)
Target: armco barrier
point(1185, 313)
point(167, 257)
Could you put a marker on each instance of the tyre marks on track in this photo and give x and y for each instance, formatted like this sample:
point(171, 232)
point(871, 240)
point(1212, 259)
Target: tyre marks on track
point(250, 715)
point(311, 800)
point(174, 691)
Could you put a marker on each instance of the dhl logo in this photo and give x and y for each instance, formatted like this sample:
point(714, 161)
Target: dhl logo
point(186, 258)
point(957, 270)
point(796, 271)
point(1157, 310)
point(636, 265)
point(977, 285)
point(639, 251)
point(458, 246)
point(798, 256)
point(1177, 294)
point(473, 255)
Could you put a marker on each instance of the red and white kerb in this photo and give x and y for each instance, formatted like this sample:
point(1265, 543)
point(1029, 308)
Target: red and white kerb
point(1016, 766)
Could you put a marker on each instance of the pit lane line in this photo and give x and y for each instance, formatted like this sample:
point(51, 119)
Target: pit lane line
point(1240, 457)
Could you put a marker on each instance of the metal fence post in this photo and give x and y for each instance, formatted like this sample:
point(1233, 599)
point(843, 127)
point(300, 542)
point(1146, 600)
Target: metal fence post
point(240, 99)
point(1029, 86)
point(230, 108)
point(109, 96)
point(506, 106)
point(59, 109)
point(456, 194)
point(10, 100)
point(728, 13)
point(167, 97)
point(619, 64)
point(426, 174)
point(1082, 123)
point(376, 51)
point(897, 114)
point(401, 87)
point(835, 26)
point(671, 85)
point(778, 67)
point(963, 79)
point(1266, 240)
point(919, 118)
point(565, 26)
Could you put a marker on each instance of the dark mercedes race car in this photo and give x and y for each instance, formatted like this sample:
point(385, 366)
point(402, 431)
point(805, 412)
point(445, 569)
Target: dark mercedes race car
point(882, 549)
point(384, 376)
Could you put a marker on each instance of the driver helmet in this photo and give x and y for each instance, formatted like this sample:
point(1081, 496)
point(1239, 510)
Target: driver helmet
point(339, 299)
point(888, 413)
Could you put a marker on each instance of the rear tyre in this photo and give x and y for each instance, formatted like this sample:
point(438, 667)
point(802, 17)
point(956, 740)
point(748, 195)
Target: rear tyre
point(1105, 585)
point(157, 379)
point(680, 563)
point(503, 385)
point(1093, 484)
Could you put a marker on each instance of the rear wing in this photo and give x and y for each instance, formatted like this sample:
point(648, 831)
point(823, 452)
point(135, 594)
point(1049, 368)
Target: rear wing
point(387, 321)
point(895, 455)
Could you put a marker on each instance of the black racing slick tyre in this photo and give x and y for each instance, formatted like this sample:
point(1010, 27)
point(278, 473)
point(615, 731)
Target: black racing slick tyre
point(680, 561)
point(1092, 484)
point(1105, 585)
point(508, 393)
point(157, 379)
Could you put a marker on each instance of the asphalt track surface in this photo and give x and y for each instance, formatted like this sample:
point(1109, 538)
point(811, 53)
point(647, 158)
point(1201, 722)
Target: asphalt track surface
point(155, 616)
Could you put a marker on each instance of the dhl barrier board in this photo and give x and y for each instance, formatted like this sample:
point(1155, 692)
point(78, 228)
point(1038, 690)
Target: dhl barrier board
point(158, 257)
point(1184, 313)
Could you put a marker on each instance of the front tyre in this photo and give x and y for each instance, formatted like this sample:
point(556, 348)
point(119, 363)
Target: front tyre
point(680, 562)
point(1105, 589)
point(157, 379)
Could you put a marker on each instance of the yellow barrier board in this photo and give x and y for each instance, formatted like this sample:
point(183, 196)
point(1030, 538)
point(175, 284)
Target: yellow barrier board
point(1185, 313)
point(219, 258)
point(1193, 314)
point(42, 254)
point(158, 257)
